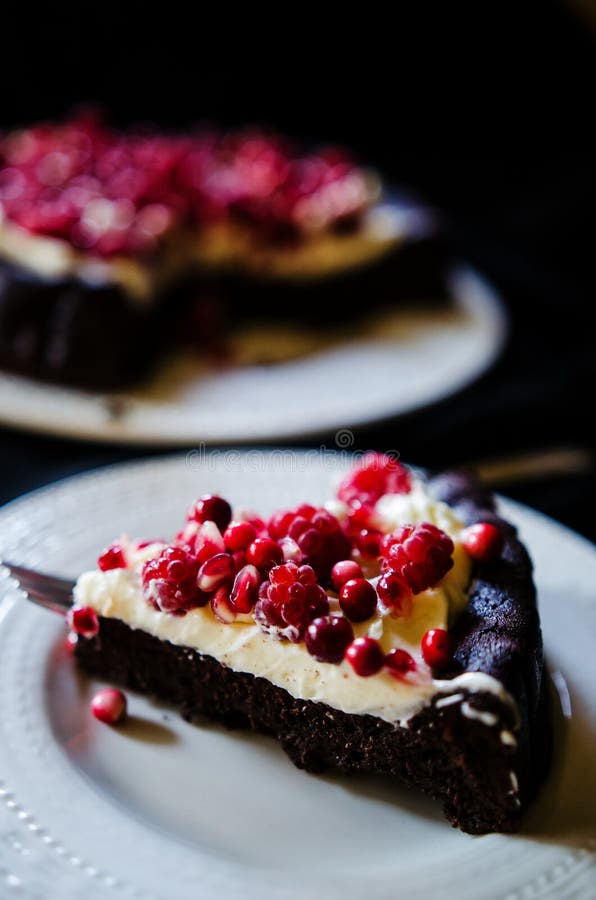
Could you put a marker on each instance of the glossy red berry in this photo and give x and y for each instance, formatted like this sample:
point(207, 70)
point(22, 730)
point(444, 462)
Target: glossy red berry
point(437, 648)
point(112, 558)
point(395, 594)
point(109, 706)
point(420, 554)
point(211, 508)
point(345, 570)
point(245, 589)
point(264, 553)
point(238, 535)
point(365, 656)
point(83, 620)
point(328, 637)
point(358, 599)
point(367, 542)
point(216, 572)
point(483, 541)
point(399, 662)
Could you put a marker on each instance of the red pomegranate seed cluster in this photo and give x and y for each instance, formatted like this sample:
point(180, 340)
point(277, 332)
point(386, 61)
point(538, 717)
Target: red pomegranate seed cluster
point(419, 554)
point(289, 601)
point(312, 536)
point(278, 573)
point(109, 193)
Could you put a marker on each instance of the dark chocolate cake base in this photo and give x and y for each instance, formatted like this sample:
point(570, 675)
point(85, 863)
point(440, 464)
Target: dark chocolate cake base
point(464, 761)
point(96, 336)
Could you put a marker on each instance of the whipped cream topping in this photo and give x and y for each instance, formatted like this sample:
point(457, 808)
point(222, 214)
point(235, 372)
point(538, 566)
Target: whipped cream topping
point(242, 647)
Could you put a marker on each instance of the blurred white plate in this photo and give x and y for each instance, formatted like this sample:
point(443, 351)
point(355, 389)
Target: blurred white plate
point(162, 810)
point(403, 361)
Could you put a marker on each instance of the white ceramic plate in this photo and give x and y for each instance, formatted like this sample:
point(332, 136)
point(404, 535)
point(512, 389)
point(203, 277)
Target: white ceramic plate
point(403, 361)
point(163, 810)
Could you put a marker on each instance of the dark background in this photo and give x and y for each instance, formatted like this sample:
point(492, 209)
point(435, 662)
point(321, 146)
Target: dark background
point(487, 110)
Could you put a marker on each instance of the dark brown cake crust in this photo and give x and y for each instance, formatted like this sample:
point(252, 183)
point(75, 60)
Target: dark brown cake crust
point(462, 761)
point(95, 336)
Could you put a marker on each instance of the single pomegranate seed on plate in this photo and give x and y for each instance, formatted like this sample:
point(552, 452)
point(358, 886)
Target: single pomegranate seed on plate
point(327, 638)
point(399, 662)
point(211, 508)
point(437, 648)
point(365, 656)
point(238, 535)
point(395, 594)
point(358, 599)
point(112, 558)
point(215, 572)
point(484, 541)
point(245, 589)
point(264, 553)
point(421, 554)
point(83, 620)
point(345, 570)
point(109, 706)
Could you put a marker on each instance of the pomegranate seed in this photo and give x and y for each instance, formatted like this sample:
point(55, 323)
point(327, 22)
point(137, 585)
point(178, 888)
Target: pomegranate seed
point(83, 620)
point(170, 581)
point(264, 553)
point(395, 594)
point(399, 662)
point(437, 648)
point(112, 558)
point(208, 542)
point(245, 589)
point(345, 570)
point(358, 599)
point(215, 572)
point(327, 638)
point(289, 601)
point(222, 608)
point(421, 554)
point(211, 508)
point(291, 550)
point(315, 532)
point(109, 706)
point(70, 642)
point(376, 474)
point(238, 535)
point(483, 541)
point(365, 656)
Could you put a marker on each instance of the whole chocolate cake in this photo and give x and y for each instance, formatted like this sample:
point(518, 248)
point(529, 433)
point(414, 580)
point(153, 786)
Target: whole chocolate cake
point(107, 239)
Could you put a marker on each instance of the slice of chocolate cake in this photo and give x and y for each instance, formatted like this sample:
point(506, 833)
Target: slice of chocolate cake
point(107, 239)
point(392, 631)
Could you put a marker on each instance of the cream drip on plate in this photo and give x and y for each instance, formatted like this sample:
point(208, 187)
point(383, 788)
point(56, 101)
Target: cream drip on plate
point(243, 647)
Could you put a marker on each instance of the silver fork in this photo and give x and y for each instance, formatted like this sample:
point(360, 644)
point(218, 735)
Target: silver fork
point(48, 591)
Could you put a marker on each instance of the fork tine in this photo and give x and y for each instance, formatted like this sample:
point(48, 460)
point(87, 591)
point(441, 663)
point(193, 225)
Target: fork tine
point(58, 603)
point(46, 590)
point(39, 579)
